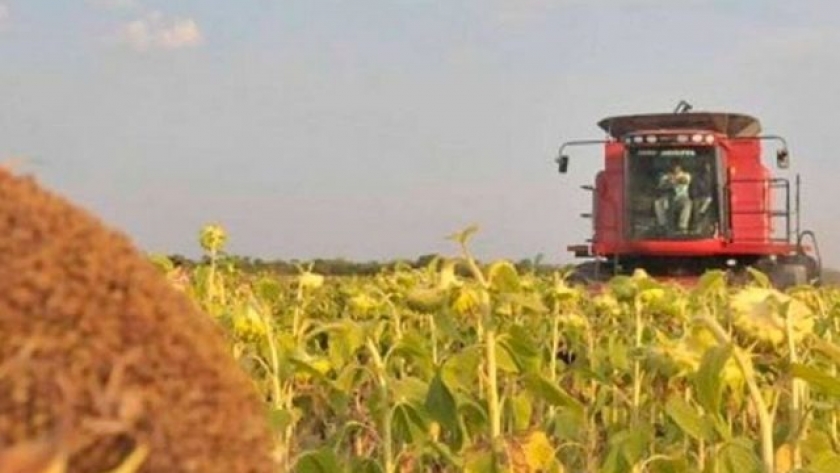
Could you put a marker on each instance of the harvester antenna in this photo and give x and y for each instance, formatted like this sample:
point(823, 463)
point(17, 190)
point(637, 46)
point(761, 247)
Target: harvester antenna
point(683, 107)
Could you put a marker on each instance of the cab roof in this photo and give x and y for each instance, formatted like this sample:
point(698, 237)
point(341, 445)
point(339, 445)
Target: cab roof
point(733, 125)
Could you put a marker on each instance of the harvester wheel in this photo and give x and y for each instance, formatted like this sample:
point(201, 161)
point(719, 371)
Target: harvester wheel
point(591, 273)
point(790, 271)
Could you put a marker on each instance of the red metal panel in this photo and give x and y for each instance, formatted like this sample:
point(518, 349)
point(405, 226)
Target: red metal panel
point(705, 247)
point(749, 192)
point(609, 201)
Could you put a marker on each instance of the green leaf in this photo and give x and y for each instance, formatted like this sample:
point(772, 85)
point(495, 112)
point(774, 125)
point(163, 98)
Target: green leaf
point(463, 237)
point(521, 409)
point(346, 337)
point(268, 289)
point(672, 465)
point(815, 445)
point(613, 461)
point(480, 461)
point(408, 424)
point(687, 418)
point(350, 376)
point(366, 465)
point(827, 462)
point(414, 348)
point(617, 352)
point(313, 367)
point(634, 443)
point(441, 406)
point(626, 449)
point(529, 303)
point(759, 278)
point(567, 425)
point(712, 281)
point(723, 429)
point(448, 326)
point(408, 389)
point(503, 277)
point(827, 348)
point(505, 360)
point(542, 388)
point(738, 457)
point(279, 419)
point(318, 461)
point(522, 345)
point(708, 380)
point(521, 342)
point(817, 379)
point(459, 370)
point(474, 416)
point(445, 453)
point(623, 288)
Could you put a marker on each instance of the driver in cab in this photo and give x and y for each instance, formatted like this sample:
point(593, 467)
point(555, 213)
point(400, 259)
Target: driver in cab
point(673, 199)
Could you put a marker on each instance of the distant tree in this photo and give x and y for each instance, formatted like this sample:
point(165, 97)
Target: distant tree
point(425, 260)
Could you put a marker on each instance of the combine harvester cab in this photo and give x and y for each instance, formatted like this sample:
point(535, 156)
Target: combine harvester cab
point(686, 192)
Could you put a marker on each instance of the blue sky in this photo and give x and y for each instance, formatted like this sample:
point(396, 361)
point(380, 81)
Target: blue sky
point(371, 129)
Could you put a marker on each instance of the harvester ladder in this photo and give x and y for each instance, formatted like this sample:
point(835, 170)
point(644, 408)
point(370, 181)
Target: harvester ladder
point(768, 208)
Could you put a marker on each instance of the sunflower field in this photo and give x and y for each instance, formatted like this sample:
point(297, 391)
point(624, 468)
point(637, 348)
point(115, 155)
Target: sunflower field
point(466, 366)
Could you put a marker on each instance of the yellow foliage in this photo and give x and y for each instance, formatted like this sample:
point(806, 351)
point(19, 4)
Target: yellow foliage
point(310, 280)
point(538, 451)
point(467, 301)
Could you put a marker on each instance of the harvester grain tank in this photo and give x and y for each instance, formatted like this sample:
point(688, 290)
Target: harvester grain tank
point(685, 192)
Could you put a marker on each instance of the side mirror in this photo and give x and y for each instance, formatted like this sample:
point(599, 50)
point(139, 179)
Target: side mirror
point(782, 158)
point(563, 164)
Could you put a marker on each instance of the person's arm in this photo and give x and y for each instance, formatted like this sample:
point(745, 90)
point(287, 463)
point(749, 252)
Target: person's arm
point(664, 181)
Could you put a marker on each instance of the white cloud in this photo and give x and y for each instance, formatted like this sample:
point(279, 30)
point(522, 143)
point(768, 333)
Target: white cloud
point(113, 4)
point(519, 13)
point(154, 31)
point(5, 15)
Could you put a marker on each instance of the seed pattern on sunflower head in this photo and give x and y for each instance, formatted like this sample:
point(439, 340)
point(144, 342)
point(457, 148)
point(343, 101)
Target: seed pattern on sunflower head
point(607, 304)
point(248, 323)
point(363, 302)
point(98, 345)
point(213, 238)
point(574, 320)
point(467, 300)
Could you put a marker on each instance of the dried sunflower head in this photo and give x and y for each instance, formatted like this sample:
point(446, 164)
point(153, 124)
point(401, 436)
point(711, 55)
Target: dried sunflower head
point(759, 313)
point(310, 280)
point(686, 354)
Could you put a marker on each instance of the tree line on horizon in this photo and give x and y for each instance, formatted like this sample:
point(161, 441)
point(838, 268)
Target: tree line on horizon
point(345, 267)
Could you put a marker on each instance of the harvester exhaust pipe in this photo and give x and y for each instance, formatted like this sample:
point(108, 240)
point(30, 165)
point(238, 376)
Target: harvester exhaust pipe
point(683, 107)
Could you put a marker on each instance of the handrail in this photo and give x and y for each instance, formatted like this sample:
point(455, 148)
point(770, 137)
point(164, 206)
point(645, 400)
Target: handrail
point(817, 255)
point(785, 213)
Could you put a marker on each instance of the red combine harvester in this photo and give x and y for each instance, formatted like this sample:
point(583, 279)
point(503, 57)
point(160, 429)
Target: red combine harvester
point(686, 192)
